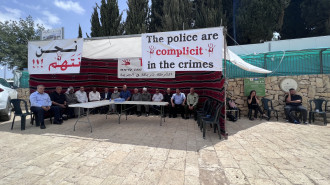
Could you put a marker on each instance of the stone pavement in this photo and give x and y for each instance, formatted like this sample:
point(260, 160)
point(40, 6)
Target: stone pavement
point(139, 151)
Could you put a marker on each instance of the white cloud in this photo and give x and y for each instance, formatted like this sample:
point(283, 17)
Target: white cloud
point(29, 6)
point(10, 14)
point(70, 6)
point(43, 23)
point(51, 18)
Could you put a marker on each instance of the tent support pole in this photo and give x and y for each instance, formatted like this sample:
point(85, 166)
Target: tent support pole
point(225, 77)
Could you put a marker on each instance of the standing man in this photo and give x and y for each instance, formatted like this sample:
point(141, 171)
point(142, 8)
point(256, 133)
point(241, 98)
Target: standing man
point(41, 103)
point(157, 97)
point(114, 96)
point(137, 97)
point(192, 100)
point(167, 98)
point(178, 101)
point(294, 103)
point(146, 96)
point(58, 100)
point(126, 95)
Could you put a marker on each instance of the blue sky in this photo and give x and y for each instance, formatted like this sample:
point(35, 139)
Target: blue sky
point(54, 13)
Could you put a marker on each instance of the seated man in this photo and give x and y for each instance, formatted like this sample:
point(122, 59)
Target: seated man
point(137, 97)
point(106, 95)
point(58, 99)
point(157, 97)
point(41, 103)
point(126, 94)
point(94, 96)
point(178, 100)
point(192, 100)
point(114, 96)
point(82, 97)
point(167, 98)
point(146, 96)
point(294, 103)
point(71, 98)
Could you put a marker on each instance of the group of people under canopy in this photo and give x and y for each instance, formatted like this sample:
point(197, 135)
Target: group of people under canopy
point(58, 102)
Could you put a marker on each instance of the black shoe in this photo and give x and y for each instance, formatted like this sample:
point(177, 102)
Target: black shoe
point(174, 116)
point(251, 119)
point(138, 115)
point(187, 117)
point(170, 116)
point(57, 122)
point(42, 127)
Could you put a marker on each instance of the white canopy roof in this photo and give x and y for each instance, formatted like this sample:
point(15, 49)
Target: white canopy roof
point(130, 46)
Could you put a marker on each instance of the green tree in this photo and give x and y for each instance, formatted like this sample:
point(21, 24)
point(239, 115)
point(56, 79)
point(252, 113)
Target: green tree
point(293, 23)
point(137, 17)
point(95, 24)
point(14, 38)
point(316, 15)
point(79, 32)
point(257, 20)
point(156, 16)
point(209, 13)
point(110, 18)
point(177, 15)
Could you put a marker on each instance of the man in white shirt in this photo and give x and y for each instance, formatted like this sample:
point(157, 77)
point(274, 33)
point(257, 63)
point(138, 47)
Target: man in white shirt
point(81, 97)
point(157, 97)
point(94, 95)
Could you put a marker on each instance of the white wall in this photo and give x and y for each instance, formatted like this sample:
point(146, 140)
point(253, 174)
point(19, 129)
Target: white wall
point(283, 45)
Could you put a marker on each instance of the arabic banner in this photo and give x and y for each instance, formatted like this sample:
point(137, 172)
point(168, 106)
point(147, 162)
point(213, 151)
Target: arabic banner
point(132, 68)
point(188, 50)
point(55, 57)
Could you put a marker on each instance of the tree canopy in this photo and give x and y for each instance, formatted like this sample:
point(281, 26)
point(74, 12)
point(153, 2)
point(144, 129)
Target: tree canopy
point(14, 38)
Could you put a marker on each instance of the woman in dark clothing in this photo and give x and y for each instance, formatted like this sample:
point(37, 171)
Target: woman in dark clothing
point(253, 104)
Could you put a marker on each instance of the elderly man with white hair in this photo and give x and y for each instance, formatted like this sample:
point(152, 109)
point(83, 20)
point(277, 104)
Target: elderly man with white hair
point(71, 98)
point(114, 95)
point(146, 96)
point(137, 97)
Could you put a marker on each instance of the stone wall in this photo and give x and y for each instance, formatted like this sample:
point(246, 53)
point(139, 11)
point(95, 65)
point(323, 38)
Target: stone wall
point(309, 87)
point(23, 93)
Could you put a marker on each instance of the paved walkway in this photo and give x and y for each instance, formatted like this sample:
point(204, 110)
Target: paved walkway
point(139, 151)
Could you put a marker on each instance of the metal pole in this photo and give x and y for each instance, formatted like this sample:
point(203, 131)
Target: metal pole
point(224, 74)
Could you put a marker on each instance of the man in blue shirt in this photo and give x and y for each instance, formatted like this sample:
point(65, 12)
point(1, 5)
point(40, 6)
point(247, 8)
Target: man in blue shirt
point(178, 101)
point(41, 103)
point(126, 95)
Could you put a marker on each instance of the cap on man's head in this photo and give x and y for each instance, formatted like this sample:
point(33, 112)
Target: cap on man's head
point(116, 87)
point(145, 89)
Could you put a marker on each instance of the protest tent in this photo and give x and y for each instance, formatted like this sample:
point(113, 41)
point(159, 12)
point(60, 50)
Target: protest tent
point(99, 68)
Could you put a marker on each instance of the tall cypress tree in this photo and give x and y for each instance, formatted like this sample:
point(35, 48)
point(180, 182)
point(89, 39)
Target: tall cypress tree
point(137, 17)
point(95, 24)
point(257, 20)
point(110, 18)
point(316, 15)
point(208, 13)
point(156, 16)
point(177, 15)
point(79, 32)
point(293, 24)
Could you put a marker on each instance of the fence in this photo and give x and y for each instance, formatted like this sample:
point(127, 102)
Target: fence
point(285, 63)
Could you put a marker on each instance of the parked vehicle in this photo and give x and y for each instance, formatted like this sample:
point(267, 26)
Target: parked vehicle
point(6, 94)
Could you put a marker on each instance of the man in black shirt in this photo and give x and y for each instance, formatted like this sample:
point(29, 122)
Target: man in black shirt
point(294, 103)
point(58, 100)
point(167, 98)
point(106, 95)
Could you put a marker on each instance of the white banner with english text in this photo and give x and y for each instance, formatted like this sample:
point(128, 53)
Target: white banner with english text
point(132, 68)
point(55, 57)
point(188, 50)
